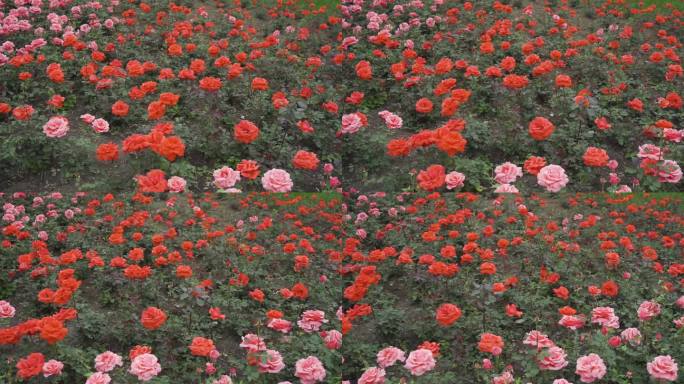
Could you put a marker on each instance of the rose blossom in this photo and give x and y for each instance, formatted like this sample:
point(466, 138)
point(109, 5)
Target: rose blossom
point(648, 310)
point(351, 123)
point(538, 340)
point(176, 184)
point(312, 320)
point(253, 343)
point(669, 172)
point(507, 173)
point(590, 368)
point(389, 356)
point(280, 325)
point(631, 335)
point(145, 366)
point(552, 177)
point(226, 177)
point(553, 360)
point(276, 180)
point(372, 375)
point(309, 370)
point(98, 378)
point(561, 381)
point(506, 188)
point(52, 367)
point(454, 180)
point(333, 339)
point(106, 361)
point(391, 120)
point(273, 363)
point(7, 311)
point(56, 127)
point(100, 125)
point(605, 316)
point(420, 361)
point(663, 368)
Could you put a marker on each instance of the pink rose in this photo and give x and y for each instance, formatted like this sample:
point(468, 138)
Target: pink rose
point(106, 361)
point(309, 370)
point(553, 359)
point(276, 180)
point(145, 366)
point(272, 363)
point(605, 316)
point(663, 368)
point(648, 310)
point(253, 343)
point(590, 368)
point(649, 151)
point(420, 362)
point(631, 335)
point(454, 180)
point(7, 311)
point(561, 381)
point(176, 184)
point(372, 375)
point(100, 125)
point(389, 356)
point(224, 379)
point(538, 340)
point(552, 177)
point(333, 339)
point(351, 123)
point(226, 177)
point(669, 172)
point(506, 188)
point(87, 118)
point(52, 367)
point(392, 121)
point(506, 173)
point(312, 320)
point(57, 126)
point(572, 322)
point(98, 378)
point(680, 302)
point(280, 325)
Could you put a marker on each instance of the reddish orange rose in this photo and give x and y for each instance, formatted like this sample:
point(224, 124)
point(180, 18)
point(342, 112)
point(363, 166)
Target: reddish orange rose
point(432, 178)
point(305, 160)
point(448, 314)
point(245, 132)
point(540, 128)
point(152, 318)
point(595, 157)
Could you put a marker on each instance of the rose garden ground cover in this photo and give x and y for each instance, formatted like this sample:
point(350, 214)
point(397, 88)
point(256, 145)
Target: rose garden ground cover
point(276, 288)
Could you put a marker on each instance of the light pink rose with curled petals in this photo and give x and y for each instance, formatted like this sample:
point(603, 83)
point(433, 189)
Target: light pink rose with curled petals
point(145, 366)
point(553, 359)
point(56, 127)
point(52, 368)
point(590, 368)
point(648, 310)
point(420, 362)
point(372, 375)
point(389, 356)
point(272, 363)
point(226, 177)
point(277, 180)
point(506, 188)
point(663, 368)
point(309, 370)
point(552, 177)
point(100, 125)
point(99, 378)
point(312, 320)
point(106, 361)
point(176, 184)
point(454, 180)
point(7, 311)
point(507, 173)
